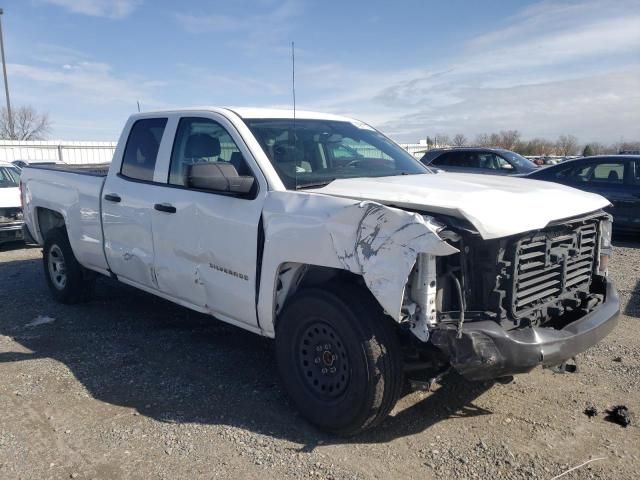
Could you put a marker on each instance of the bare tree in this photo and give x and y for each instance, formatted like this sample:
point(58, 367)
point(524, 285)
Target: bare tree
point(27, 124)
point(482, 140)
point(566, 145)
point(442, 140)
point(459, 140)
point(509, 139)
point(597, 148)
point(626, 146)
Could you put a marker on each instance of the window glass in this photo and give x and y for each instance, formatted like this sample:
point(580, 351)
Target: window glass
point(443, 160)
point(202, 140)
point(468, 160)
point(557, 173)
point(582, 174)
point(608, 173)
point(9, 177)
point(141, 152)
point(637, 173)
point(313, 153)
point(612, 172)
point(492, 161)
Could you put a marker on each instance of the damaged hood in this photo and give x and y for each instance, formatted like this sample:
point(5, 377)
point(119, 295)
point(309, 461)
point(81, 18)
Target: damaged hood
point(496, 206)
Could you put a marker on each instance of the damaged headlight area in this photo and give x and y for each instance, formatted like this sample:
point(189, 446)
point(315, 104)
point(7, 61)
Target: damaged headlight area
point(504, 306)
point(605, 247)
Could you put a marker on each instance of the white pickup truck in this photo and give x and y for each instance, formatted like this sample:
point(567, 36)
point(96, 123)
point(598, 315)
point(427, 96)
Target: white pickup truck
point(320, 232)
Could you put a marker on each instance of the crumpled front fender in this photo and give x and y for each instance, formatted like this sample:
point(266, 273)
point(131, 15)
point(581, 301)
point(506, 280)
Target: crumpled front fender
point(379, 243)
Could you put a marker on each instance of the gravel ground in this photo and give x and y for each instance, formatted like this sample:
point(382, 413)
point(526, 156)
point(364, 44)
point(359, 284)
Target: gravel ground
point(130, 386)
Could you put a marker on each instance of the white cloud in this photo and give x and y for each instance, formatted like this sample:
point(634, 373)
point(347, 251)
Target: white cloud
point(557, 67)
point(258, 28)
point(98, 8)
point(86, 100)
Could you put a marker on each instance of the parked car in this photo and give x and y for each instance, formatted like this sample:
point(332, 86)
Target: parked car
point(488, 161)
point(615, 177)
point(10, 208)
point(348, 259)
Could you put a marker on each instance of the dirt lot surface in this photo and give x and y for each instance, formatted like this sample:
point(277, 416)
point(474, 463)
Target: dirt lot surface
point(130, 386)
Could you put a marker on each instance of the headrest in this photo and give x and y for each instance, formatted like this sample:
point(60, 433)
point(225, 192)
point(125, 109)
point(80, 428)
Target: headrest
point(201, 145)
point(285, 152)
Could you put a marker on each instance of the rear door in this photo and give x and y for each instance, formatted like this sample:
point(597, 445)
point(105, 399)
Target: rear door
point(127, 204)
point(206, 241)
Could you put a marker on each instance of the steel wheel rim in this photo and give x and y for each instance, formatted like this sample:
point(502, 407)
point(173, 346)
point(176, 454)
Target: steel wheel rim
point(323, 361)
point(57, 267)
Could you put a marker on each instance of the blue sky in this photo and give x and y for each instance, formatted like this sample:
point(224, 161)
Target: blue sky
point(410, 68)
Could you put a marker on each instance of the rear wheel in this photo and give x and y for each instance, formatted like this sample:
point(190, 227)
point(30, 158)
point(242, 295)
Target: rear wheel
point(339, 359)
point(67, 279)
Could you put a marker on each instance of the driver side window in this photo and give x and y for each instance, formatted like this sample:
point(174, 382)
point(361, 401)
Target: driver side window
point(201, 141)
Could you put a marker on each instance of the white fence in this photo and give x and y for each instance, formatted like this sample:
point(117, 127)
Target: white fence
point(92, 152)
point(415, 149)
point(62, 151)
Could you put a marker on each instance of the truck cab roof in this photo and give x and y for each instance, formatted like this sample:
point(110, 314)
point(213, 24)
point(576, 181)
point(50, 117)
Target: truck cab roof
point(255, 112)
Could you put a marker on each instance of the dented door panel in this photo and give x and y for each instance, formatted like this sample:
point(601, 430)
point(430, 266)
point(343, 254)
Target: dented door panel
point(128, 238)
point(205, 252)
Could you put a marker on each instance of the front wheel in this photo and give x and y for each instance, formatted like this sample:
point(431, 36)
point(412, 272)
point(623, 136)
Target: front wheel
point(66, 278)
point(339, 359)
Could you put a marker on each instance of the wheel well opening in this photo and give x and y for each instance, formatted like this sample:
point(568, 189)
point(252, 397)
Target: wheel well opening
point(47, 220)
point(295, 276)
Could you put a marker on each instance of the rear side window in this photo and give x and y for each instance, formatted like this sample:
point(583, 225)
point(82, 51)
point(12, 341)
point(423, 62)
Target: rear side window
point(609, 173)
point(141, 152)
point(444, 160)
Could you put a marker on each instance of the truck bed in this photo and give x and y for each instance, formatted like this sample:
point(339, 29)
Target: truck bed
point(73, 194)
point(95, 169)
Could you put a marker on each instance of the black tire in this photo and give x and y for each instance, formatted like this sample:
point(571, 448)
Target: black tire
point(78, 283)
point(357, 341)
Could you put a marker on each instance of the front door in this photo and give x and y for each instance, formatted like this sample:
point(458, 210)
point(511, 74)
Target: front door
point(206, 242)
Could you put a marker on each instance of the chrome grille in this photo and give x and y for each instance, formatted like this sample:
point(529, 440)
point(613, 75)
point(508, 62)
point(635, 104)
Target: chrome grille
point(552, 263)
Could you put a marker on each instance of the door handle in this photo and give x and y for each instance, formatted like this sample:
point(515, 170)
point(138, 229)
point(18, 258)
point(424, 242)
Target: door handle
point(112, 197)
point(165, 207)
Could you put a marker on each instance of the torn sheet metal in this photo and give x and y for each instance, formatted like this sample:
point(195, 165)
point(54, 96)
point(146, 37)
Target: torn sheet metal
point(381, 244)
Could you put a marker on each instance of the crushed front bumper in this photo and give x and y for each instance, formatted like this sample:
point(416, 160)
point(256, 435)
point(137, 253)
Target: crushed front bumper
point(488, 351)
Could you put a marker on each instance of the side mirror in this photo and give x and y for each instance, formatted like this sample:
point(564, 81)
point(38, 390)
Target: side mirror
point(219, 177)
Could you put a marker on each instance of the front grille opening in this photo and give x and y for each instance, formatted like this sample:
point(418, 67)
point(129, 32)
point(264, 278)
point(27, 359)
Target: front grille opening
point(556, 263)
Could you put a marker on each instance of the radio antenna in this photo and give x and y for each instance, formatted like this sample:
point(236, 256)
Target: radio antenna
point(138, 102)
point(293, 93)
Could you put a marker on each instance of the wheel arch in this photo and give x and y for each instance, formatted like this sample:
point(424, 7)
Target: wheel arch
point(47, 219)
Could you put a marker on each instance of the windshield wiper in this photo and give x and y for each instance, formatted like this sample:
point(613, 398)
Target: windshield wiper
point(314, 184)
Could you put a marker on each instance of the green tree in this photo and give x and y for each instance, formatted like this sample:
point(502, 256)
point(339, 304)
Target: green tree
point(587, 151)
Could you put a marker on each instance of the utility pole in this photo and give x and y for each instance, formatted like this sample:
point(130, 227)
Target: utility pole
point(6, 83)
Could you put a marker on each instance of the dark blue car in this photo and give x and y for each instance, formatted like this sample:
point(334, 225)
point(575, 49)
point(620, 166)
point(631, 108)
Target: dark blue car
point(487, 161)
point(615, 177)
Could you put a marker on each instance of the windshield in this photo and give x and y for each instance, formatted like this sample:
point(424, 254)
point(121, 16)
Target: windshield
point(9, 177)
point(518, 159)
point(321, 151)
